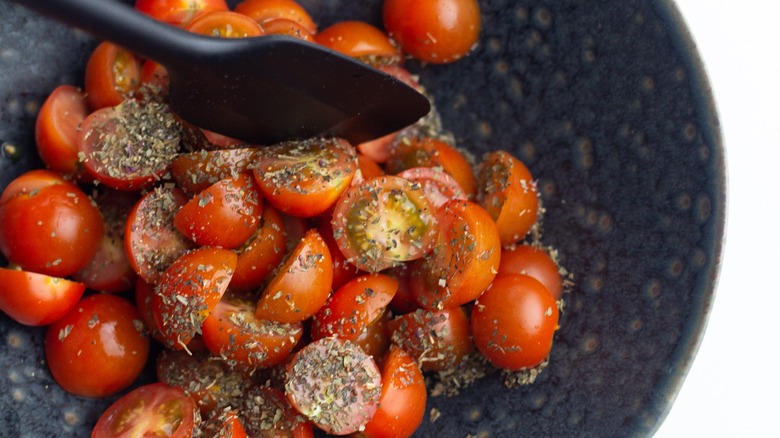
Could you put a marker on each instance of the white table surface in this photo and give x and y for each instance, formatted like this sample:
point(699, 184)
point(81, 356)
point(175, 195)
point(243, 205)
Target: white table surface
point(733, 385)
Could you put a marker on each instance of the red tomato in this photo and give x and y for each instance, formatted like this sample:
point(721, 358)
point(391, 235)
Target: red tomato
point(368, 167)
point(378, 149)
point(438, 186)
point(514, 321)
point(226, 424)
point(188, 291)
point(438, 340)
point(48, 225)
point(151, 241)
point(435, 31)
point(282, 26)
point(404, 300)
point(359, 39)
point(266, 413)
point(224, 24)
point(334, 384)
point(225, 214)
point(402, 404)
point(374, 340)
point(101, 337)
point(233, 333)
point(465, 259)
point(354, 306)
point(305, 178)
point(534, 262)
point(343, 271)
point(156, 76)
point(264, 11)
point(178, 12)
point(57, 129)
point(112, 74)
point(37, 299)
point(261, 253)
point(383, 221)
point(196, 171)
point(507, 191)
point(151, 410)
point(301, 284)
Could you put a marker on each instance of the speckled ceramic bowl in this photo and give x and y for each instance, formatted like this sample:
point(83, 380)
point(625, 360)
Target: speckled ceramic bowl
point(607, 103)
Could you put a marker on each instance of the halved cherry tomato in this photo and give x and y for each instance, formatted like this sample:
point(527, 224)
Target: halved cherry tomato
point(404, 300)
point(101, 337)
point(375, 339)
point(383, 221)
point(266, 413)
point(305, 178)
point(507, 191)
point(368, 167)
point(402, 404)
point(334, 384)
point(435, 31)
point(514, 321)
point(151, 241)
point(534, 262)
point(224, 24)
point(261, 253)
point(155, 409)
point(301, 284)
point(439, 187)
point(378, 149)
point(48, 225)
point(436, 340)
point(343, 271)
point(178, 12)
point(263, 11)
point(57, 129)
point(37, 299)
point(359, 39)
point(465, 259)
point(225, 425)
point(195, 171)
point(188, 291)
point(233, 333)
point(112, 74)
point(283, 26)
point(225, 214)
point(221, 140)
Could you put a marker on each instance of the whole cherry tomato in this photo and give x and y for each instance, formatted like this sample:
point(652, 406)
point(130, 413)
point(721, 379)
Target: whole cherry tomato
point(37, 299)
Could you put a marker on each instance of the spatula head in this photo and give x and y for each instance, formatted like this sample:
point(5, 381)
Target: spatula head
point(273, 88)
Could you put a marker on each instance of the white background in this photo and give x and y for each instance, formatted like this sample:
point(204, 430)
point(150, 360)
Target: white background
point(734, 382)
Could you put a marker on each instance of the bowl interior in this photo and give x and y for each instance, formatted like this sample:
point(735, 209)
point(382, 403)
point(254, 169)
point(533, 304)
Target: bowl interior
point(607, 104)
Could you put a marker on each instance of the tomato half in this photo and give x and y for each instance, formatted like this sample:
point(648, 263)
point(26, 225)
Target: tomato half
point(178, 12)
point(359, 39)
point(438, 186)
point(112, 74)
point(224, 24)
point(264, 11)
point(57, 129)
point(195, 171)
point(266, 413)
point(151, 410)
point(37, 299)
point(282, 26)
point(534, 262)
point(261, 253)
point(226, 424)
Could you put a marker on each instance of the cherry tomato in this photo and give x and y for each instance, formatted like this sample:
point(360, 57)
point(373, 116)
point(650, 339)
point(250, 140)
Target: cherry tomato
point(195, 171)
point(151, 410)
point(359, 39)
point(36, 299)
point(404, 300)
point(402, 404)
point(282, 26)
point(374, 340)
point(383, 221)
point(261, 253)
point(301, 284)
point(354, 306)
point(188, 291)
point(48, 225)
point(225, 214)
point(264, 11)
point(305, 178)
point(334, 384)
point(224, 24)
point(155, 75)
point(534, 262)
point(378, 149)
point(465, 259)
point(178, 12)
point(233, 333)
point(507, 191)
point(112, 74)
point(438, 186)
point(151, 241)
point(266, 413)
point(226, 425)
point(437, 340)
point(343, 271)
point(514, 321)
point(57, 129)
point(435, 31)
point(101, 337)
point(368, 167)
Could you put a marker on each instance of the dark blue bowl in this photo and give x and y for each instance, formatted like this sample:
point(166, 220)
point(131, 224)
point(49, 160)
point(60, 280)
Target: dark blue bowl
point(607, 103)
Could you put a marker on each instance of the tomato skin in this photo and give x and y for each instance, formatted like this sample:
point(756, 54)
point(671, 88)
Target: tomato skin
point(48, 225)
point(514, 321)
point(111, 75)
point(226, 425)
point(196, 171)
point(178, 12)
point(434, 31)
point(37, 299)
point(402, 404)
point(261, 253)
point(57, 129)
point(156, 76)
point(359, 39)
point(155, 409)
point(534, 262)
point(224, 24)
point(282, 26)
point(264, 11)
point(343, 271)
point(101, 337)
point(368, 167)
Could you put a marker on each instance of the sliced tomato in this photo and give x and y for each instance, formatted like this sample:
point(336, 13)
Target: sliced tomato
point(283, 26)
point(151, 410)
point(359, 39)
point(112, 74)
point(302, 283)
point(224, 24)
point(225, 214)
point(383, 221)
point(188, 291)
point(261, 253)
point(225, 425)
point(178, 12)
point(264, 11)
point(343, 271)
point(57, 129)
point(439, 187)
point(151, 241)
point(195, 171)
point(368, 167)
point(464, 261)
point(534, 262)
point(37, 299)
point(375, 339)
point(266, 413)
point(305, 178)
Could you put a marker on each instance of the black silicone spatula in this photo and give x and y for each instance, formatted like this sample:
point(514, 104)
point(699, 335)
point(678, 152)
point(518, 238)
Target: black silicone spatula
point(261, 90)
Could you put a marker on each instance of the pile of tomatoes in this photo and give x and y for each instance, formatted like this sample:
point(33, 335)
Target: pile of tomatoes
point(306, 284)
